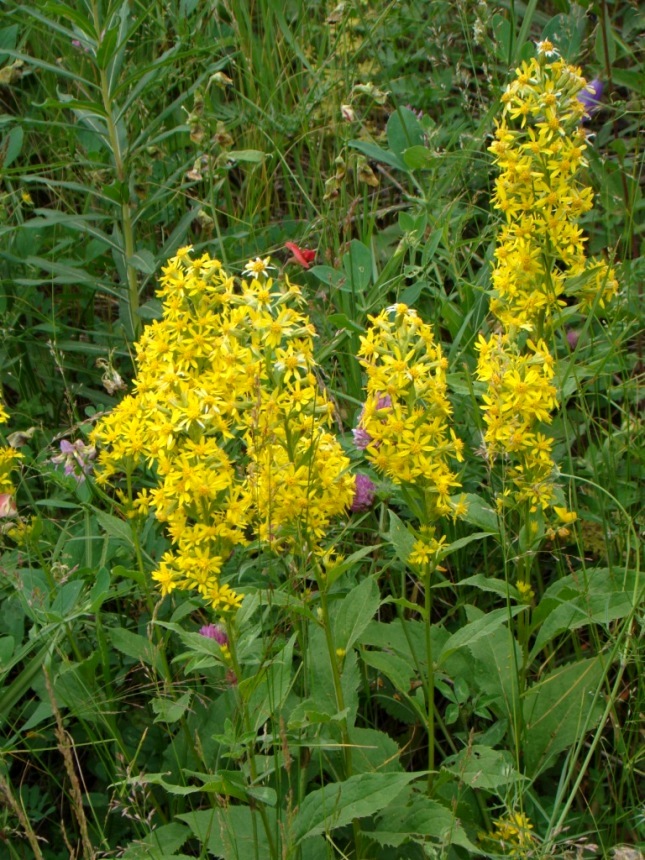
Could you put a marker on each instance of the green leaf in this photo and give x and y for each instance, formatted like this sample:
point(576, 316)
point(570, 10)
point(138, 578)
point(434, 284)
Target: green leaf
point(418, 818)
point(358, 267)
point(340, 803)
point(356, 611)
point(115, 527)
point(374, 751)
point(12, 145)
point(396, 669)
point(169, 710)
point(163, 842)
point(404, 131)
point(400, 538)
point(489, 583)
point(377, 153)
point(143, 261)
point(328, 275)
point(421, 158)
point(136, 646)
point(348, 563)
point(248, 156)
point(593, 597)
point(481, 627)
point(559, 710)
point(482, 767)
point(481, 515)
point(233, 833)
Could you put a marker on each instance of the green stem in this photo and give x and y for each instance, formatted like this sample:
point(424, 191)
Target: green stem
point(250, 751)
point(126, 215)
point(429, 677)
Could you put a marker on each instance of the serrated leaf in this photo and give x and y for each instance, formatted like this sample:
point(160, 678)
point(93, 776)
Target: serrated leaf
point(559, 710)
point(340, 803)
point(418, 818)
point(482, 767)
point(234, 832)
point(396, 669)
point(478, 629)
point(170, 710)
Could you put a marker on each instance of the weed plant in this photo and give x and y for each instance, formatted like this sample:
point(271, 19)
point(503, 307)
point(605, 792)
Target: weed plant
point(321, 485)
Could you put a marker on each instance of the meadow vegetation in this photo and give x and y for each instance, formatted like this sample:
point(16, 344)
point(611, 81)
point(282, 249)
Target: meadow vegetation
point(321, 478)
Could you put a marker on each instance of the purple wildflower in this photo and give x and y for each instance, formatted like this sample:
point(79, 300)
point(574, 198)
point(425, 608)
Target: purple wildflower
point(76, 458)
point(573, 337)
point(364, 493)
point(590, 97)
point(216, 632)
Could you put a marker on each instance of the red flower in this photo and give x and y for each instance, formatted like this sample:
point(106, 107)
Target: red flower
point(303, 256)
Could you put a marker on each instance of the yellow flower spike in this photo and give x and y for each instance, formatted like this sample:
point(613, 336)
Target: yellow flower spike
point(227, 410)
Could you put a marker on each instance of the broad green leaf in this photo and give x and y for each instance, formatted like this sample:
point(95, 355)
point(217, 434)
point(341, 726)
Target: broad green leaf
point(480, 514)
point(248, 156)
point(348, 563)
point(339, 803)
point(396, 669)
point(415, 817)
point(136, 646)
point(489, 583)
point(481, 627)
point(377, 153)
point(358, 267)
point(356, 611)
point(494, 667)
point(163, 842)
point(12, 145)
point(400, 538)
point(115, 527)
point(419, 157)
point(404, 131)
point(559, 710)
point(170, 710)
point(374, 751)
point(482, 767)
point(230, 832)
point(143, 261)
point(328, 275)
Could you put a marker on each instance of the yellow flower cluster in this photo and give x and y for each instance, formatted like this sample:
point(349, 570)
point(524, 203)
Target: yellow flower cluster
point(404, 422)
point(229, 415)
point(8, 459)
point(540, 147)
point(520, 394)
point(513, 835)
point(540, 257)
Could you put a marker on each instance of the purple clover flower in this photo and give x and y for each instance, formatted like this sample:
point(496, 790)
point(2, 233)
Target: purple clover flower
point(590, 97)
point(364, 494)
point(76, 458)
point(216, 632)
